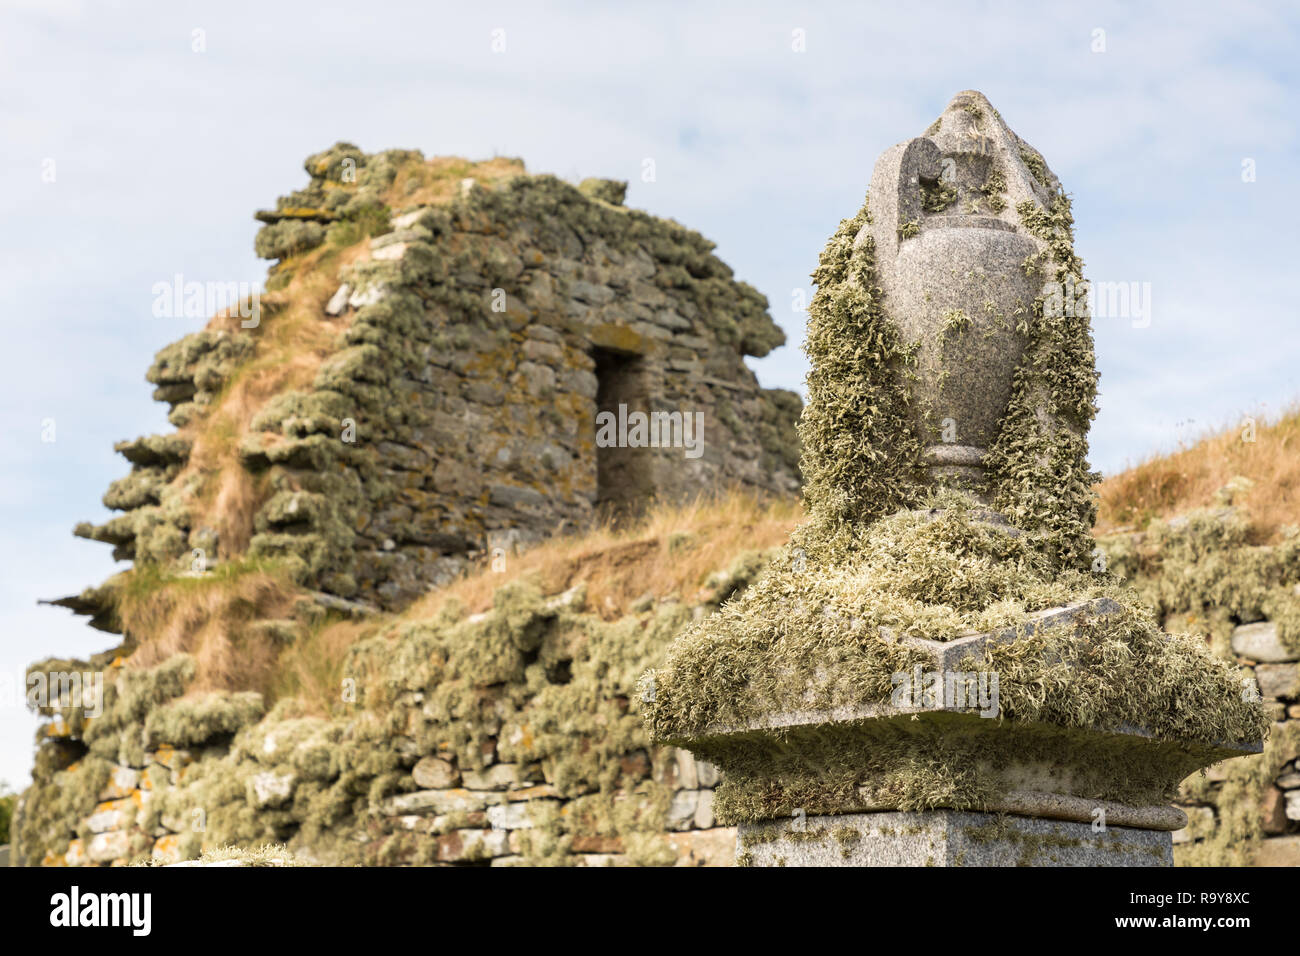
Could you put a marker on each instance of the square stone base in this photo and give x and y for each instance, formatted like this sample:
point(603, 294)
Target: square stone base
point(946, 838)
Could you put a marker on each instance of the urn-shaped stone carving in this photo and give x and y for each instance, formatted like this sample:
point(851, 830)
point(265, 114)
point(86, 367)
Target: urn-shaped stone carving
point(960, 272)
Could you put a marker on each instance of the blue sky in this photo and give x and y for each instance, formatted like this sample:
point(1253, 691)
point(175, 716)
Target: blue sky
point(161, 154)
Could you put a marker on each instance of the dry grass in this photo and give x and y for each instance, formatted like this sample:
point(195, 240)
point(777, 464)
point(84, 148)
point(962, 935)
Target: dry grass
point(438, 179)
point(292, 339)
point(311, 671)
point(206, 616)
point(1190, 477)
point(671, 550)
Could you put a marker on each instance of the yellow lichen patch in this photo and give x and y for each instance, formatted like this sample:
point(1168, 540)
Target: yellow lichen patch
point(167, 849)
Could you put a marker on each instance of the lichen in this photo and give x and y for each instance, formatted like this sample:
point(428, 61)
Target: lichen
point(860, 454)
point(1038, 465)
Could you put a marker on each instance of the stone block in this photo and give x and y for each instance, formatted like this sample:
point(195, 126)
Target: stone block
point(947, 838)
point(687, 778)
point(1278, 680)
point(1273, 810)
point(167, 849)
point(339, 300)
point(682, 809)
point(515, 816)
point(469, 845)
point(1292, 804)
point(706, 773)
point(1289, 780)
point(434, 773)
point(106, 847)
point(111, 815)
point(703, 819)
point(121, 782)
point(497, 777)
point(457, 800)
point(270, 789)
point(1260, 642)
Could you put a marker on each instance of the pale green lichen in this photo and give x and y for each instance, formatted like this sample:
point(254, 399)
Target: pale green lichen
point(1038, 465)
point(861, 458)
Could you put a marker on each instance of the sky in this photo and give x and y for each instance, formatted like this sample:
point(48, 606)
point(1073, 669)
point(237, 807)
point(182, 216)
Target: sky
point(137, 139)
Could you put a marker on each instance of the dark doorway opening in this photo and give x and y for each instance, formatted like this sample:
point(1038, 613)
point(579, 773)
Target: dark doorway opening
point(623, 473)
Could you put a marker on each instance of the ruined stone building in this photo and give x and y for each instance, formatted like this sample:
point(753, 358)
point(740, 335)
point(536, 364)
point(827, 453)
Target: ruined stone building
point(422, 381)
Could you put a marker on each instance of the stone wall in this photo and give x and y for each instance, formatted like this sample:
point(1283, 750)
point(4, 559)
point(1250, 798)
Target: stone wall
point(511, 737)
point(471, 817)
point(1268, 792)
point(1205, 573)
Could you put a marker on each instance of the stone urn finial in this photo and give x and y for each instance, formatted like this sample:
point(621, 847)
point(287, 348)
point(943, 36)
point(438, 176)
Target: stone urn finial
point(956, 265)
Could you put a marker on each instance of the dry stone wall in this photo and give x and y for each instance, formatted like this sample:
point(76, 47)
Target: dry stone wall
point(511, 737)
point(1204, 573)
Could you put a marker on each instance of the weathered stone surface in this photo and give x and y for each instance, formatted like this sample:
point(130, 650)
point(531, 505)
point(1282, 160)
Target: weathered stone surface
point(120, 784)
point(497, 777)
point(1274, 810)
point(1293, 804)
point(517, 815)
point(1289, 780)
point(111, 815)
point(703, 819)
point(1278, 851)
point(270, 789)
point(456, 800)
point(715, 847)
point(468, 845)
point(1278, 680)
point(1260, 642)
point(947, 838)
point(682, 810)
point(954, 275)
point(706, 773)
point(433, 773)
point(106, 847)
point(339, 300)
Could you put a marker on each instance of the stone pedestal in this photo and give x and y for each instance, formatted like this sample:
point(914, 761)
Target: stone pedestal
point(839, 787)
point(947, 838)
